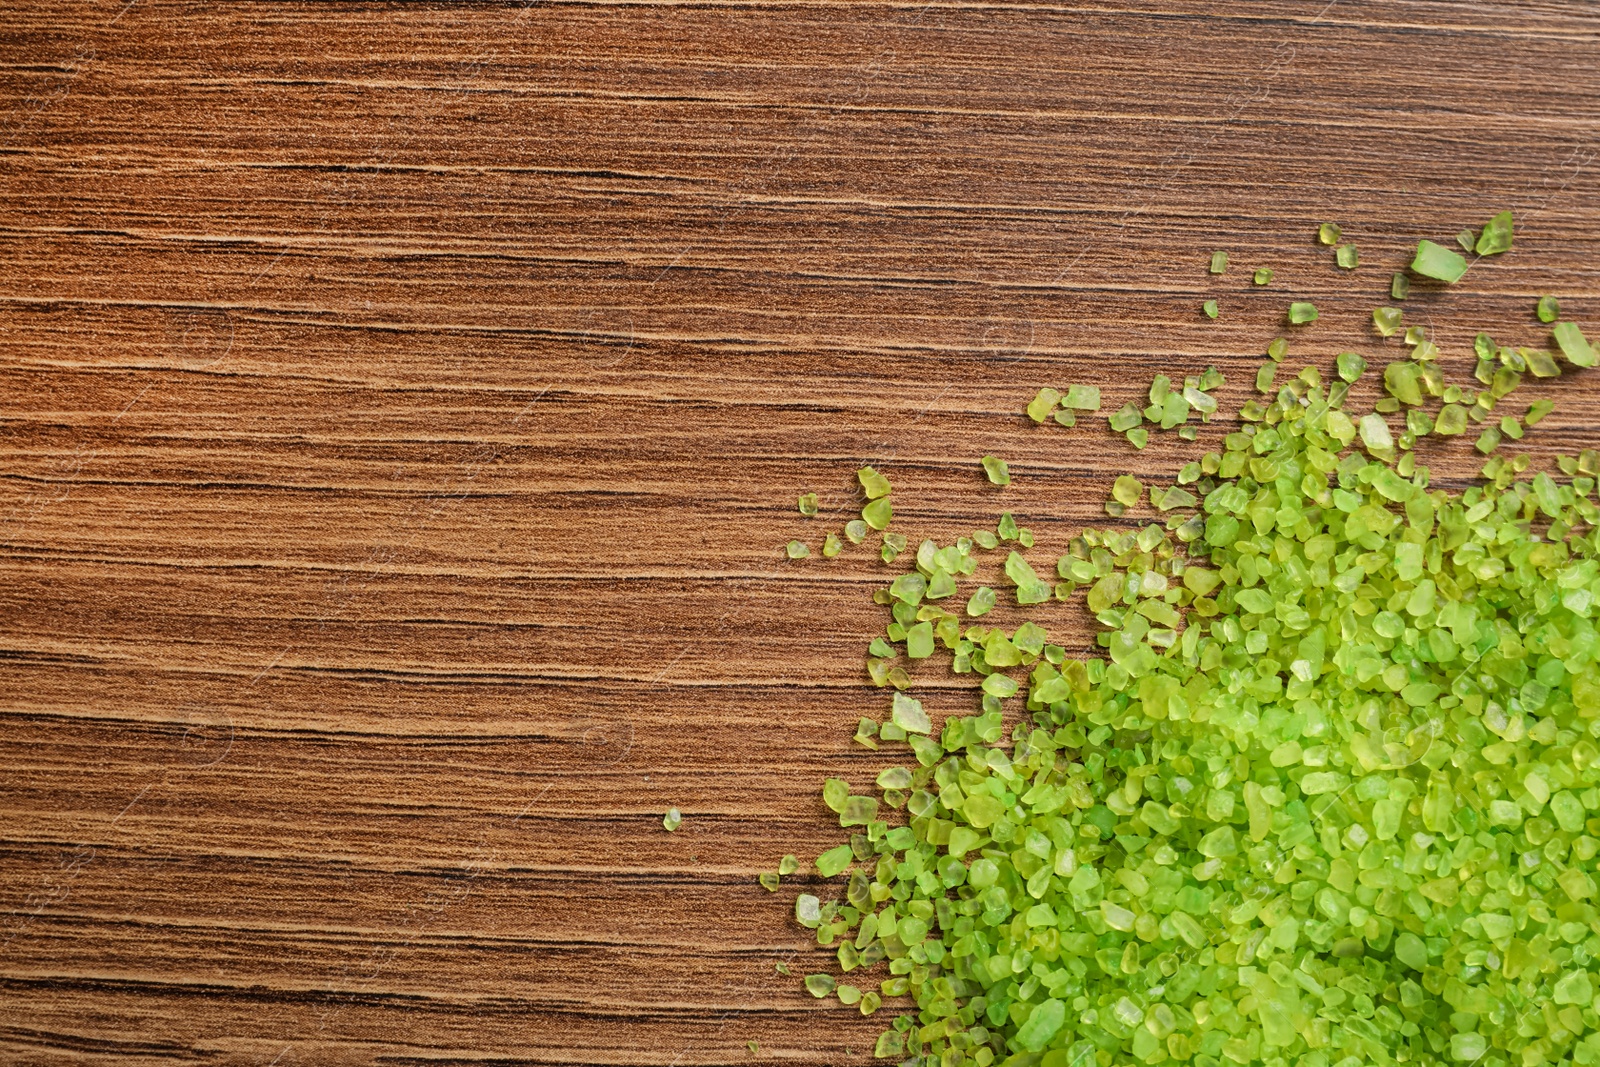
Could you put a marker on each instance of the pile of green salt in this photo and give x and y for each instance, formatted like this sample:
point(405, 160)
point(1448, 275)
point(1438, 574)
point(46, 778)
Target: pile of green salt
point(1329, 794)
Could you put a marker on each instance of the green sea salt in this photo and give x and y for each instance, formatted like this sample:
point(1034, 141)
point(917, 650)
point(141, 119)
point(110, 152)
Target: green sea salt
point(1436, 261)
point(996, 471)
point(1323, 789)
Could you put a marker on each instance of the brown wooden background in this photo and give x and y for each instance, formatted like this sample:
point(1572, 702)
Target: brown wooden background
point(403, 409)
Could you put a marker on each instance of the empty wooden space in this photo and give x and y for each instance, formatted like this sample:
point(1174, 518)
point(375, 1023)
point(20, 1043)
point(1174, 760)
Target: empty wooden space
point(403, 409)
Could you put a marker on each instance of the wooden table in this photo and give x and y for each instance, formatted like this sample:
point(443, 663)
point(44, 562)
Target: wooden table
point(404, 408)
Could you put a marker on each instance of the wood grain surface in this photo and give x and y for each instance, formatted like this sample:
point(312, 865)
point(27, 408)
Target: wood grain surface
point(403, 409)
